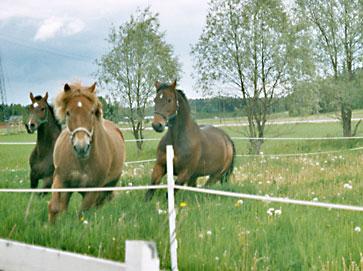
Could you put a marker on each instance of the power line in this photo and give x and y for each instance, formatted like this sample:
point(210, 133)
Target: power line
point(46, 50)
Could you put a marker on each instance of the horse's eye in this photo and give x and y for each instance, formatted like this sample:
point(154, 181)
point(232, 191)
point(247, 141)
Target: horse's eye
point(43, 109)
point(67, 113)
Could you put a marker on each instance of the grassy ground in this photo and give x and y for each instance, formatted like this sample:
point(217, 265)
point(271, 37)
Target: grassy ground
point(214, 233)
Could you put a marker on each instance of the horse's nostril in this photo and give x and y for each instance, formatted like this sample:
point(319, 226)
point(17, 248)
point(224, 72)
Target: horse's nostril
point(81, 150)
point(32, 125)
point(157, 126)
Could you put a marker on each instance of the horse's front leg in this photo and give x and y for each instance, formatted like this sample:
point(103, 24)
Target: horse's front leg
point(159, 171)
point(59, 201)
point(34, 179)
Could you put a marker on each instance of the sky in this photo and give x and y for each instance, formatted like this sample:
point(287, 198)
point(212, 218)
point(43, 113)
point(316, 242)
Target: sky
point(44, 44)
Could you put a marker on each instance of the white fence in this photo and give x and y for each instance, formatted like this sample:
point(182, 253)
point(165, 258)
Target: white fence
point(15, 256)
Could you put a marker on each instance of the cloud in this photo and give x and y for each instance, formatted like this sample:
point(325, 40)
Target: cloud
point(54, 26)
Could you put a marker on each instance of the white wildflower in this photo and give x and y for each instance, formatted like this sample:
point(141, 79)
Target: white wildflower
point(270, 211)
point(357, 229)
point(348, 186)
point(209, 232)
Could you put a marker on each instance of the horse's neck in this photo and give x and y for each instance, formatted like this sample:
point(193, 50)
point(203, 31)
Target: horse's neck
point(47, 133)
point(99, 134)
point(182, 125)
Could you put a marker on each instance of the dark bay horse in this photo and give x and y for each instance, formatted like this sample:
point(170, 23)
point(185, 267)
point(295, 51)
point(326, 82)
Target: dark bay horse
point(90, 151)
point(198, 150)
point(42, 120)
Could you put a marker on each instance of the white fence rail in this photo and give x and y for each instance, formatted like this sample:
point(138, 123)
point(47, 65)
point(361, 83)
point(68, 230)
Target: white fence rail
point(15, 256)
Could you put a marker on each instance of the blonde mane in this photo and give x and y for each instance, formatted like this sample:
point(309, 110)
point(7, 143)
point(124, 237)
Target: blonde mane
point(76, 90)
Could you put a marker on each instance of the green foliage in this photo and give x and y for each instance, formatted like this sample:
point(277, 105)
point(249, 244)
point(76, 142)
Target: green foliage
point(6, 111)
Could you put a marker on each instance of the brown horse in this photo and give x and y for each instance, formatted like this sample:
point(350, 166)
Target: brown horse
point(42, 120)
point(89, 152)
point(198, 150)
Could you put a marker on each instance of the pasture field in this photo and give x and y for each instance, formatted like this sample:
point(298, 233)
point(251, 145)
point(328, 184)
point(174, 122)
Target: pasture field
point(214, 233)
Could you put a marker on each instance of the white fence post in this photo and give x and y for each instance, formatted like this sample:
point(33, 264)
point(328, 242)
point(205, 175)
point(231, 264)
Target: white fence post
point(171, 207)
point(141, 256)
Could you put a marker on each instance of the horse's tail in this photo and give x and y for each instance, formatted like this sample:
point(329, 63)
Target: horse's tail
point(229, 170)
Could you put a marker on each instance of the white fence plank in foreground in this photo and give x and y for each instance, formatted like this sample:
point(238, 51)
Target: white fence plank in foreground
point(15, 256)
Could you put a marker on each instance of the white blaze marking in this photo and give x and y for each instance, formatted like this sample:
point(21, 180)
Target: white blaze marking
point(79, 104)
point(35, 105)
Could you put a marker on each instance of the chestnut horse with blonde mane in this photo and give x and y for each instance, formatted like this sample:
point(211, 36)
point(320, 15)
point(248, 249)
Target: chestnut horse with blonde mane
point(198, 150)
point(90, 151)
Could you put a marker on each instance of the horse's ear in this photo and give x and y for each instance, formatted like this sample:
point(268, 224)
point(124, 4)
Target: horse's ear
point(67, 87)
point(99, 111)
point(31, 97)
point(45, 96)
point(157, 85)
point(93, 87)
point(173, 85)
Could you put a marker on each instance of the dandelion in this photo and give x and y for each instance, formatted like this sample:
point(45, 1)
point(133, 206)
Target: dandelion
point(217, 258)
point(238, 203)
point(348, 186)
point(85, 222)
point(357, 229)
point(183, 204)
point(113, 239)
point(200, 235)
point(209, 232)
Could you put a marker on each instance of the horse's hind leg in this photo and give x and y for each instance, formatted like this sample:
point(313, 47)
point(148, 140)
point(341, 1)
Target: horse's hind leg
point(158, 172)
point(192, 181)
point(59, 201)
point(213, 179)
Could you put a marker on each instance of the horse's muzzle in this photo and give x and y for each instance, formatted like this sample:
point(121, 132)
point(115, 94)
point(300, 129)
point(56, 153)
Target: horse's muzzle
point(30, 127)
point(82, 150)
point(158, 127)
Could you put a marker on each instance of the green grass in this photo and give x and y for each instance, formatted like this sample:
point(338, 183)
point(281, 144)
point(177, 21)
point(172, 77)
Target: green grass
point(214, 233)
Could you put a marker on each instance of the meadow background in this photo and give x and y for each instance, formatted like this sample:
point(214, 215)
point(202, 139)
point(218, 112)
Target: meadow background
point(214, 233)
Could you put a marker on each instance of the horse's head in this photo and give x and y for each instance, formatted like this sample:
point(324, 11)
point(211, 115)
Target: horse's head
point(166, 105)
point(80, 108)
point(38, 112)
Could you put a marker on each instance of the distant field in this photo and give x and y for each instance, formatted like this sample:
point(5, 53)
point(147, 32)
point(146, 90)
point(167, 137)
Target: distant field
point(214, 233)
